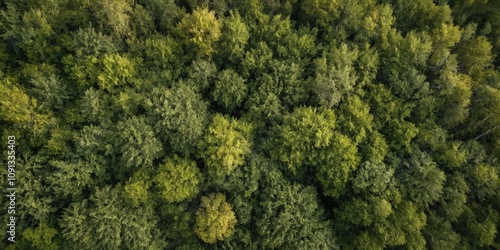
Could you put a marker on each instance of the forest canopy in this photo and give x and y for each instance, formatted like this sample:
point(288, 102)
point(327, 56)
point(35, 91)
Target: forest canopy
point(225, 124)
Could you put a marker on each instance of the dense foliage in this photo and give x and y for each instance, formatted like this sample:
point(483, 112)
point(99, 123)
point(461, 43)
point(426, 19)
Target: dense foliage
point(226, 124)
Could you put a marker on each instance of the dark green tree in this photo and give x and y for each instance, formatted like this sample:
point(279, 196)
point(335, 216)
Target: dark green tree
point(137, 143)
point(181, 116)
point(119, 224)
point(289, 216)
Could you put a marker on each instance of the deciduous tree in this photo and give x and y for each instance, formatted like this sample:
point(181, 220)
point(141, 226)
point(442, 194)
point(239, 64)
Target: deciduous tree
point(215, 219)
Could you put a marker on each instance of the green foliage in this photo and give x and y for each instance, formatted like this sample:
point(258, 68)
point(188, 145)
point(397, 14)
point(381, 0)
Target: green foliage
point(234, 37)
point(303, 133)
point(421, 179)
point(89, 42)
point(178, 179)
point(181, 116)
point(202, 73)
point(72, 178)
point(200, 30)
point(324, 12)
point(107, 213)
point(365, 212)
point(485, 180)
point(137, 187)
point(480, 226)
point(355, 118)
point(22, 110)
point(137, 143)
point(226, 145)
point(117, 70)
point(229, 89)
point(29, 34)
point(162, 53)
point(454, 198)
point(113, 14)
point(327, 124)
point(42, 237)
point(444, 37)
point(287, 206)
point(475, 55)
point(374, 148)
point(95, 107)
point(141, 22)
point(335, 165)
point(372, 177)
point(215, 219)
point(335, 78)
point(440, 234)
point(420, 14)
point(456, 91)
point(50, 91)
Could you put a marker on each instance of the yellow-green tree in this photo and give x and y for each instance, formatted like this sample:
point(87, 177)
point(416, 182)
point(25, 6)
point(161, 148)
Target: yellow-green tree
point(200, 29)
point(226, 144)
point(178, 179)
point(215, 219)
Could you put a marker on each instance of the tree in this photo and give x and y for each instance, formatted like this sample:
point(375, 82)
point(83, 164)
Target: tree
point(335, 164)
point(302, 134)
point(178, 179)
point(89, 42)
point(364, 212)
point(136, 189)
point(95, 107)
point(372, 177)
point(289, 216)
point(286, 82)
point(234, 37)
point(421, 180)
point(42, 237)
point(119, 225)
point(114, 15)
point(50, 91)
point(141, 21)
point(116, 70)
point(484, 180)
point(229, 89)
point(323, 12)
point(475, 55)
point(200, 30)
point(374, 148)
point(202, 73)
point(137, 143)
point(226, 144)
point(28, 33)
point(421, 15)
point(215, 219)
point(335, 78)
point(75, 177)
point(456, 91)
point(479, 225)
point(379, 23)
point(163, 53)
point(22, 110)
point(165, 13)
point(454, 198)
point(439, 234)
point(355, 119)
point(390, 113)
point(484, 119)
point(444, 38)
point(181, 116)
